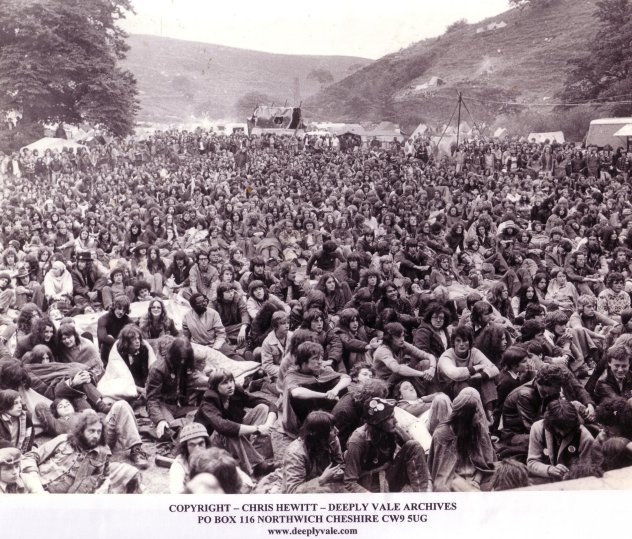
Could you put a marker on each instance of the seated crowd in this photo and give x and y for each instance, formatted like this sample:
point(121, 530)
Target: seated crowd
point(286, 315)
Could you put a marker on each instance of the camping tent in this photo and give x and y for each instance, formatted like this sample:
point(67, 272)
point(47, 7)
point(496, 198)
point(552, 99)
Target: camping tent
point(553, 136)
point(53, 143)
point(420, 130)
point(602, 131)
point(626, 133)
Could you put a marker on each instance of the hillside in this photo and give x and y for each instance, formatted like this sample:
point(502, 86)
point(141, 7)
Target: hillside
point(525, 60)
point(179, 79)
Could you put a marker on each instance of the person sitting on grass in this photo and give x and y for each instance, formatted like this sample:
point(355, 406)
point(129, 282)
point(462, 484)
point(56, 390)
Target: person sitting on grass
point(315, 458)
point(310, 386)
point(235, 419)
point(379, 445)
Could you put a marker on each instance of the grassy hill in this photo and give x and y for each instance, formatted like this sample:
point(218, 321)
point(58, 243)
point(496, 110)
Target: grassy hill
point(179, 79)
point(524, 61)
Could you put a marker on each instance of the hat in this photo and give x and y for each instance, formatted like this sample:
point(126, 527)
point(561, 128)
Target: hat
point(377, 410)
point(191, 431)
point(10, 456)
point(5, 275)
point(84, 255)
point(140, 246)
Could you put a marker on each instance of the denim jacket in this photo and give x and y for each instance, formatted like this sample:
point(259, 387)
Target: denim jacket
point(55, 459)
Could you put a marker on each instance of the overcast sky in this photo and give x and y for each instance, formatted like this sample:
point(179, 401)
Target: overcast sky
point(368, 28)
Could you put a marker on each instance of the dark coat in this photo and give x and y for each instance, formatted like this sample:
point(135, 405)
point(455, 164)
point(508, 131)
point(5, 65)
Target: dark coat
point(608, 387)
point(226, 421)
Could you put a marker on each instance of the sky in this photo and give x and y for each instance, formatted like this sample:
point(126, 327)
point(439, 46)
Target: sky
point(369, 28)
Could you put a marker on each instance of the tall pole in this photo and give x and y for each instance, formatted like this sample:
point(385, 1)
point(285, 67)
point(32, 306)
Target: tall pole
point(458, 121)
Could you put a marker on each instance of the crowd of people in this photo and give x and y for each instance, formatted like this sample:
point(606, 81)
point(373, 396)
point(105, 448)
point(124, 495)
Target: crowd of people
point(414, 320)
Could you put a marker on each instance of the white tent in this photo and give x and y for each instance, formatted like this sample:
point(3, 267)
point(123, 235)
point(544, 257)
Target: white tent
point(602, 131)
point(420, 130)
point(444, 145)
point(500, 132)
point(556, 136)
point(53, 143)
point(625, 131)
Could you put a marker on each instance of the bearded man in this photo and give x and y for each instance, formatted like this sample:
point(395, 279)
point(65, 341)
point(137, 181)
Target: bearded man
point(79, 462)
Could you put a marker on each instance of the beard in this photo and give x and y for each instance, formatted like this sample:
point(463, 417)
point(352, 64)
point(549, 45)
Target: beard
point(198, 309)
point(89, 444)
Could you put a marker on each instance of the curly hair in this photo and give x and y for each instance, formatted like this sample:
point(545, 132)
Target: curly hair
point(79, 423)
point(25, 319)
point(510, 474)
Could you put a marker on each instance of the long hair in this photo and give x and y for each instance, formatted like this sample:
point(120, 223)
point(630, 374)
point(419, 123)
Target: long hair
point(347, 316)
point(78, 425)
point(14, 376)
point(127, 334)
point(25, 318)
point(162, 321)
point(522, 297)
point(461, 421)
point(38, 353)
point(38, 331)
point(67, 329)
point(322, 284)
point(312, 315)
point(315, 434)
point(509, 475)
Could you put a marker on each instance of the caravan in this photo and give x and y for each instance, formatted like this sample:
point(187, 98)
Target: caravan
point(609, 131)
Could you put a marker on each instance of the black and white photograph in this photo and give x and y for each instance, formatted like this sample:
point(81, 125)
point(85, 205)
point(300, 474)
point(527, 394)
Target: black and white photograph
point(333, 268)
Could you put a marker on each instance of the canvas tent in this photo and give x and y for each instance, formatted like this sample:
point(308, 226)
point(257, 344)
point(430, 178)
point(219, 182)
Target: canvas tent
point(625, 133)
point(552, 136)
point(602, 132)
point(53, 143)
point(421, 129)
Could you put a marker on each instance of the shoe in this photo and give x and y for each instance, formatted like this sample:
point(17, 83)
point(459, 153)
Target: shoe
point(139, 457)
point(103, 407)
point(263, 468)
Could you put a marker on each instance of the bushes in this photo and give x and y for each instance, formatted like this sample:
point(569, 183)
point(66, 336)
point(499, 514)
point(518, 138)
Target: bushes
point(573, 122)
point(11, 140)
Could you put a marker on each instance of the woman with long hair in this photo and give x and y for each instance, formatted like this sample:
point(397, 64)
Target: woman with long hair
point(156, 269)
point(16, 427)
point(526, 295)
point(370, 280)
point(353, 338)
point(156, 322)
point(314, 459)
point(42, 332)
point(337, 294)
point(258, 296)
point(76, 349)
point(499, 299)
point(432, 334)
point(461, 454)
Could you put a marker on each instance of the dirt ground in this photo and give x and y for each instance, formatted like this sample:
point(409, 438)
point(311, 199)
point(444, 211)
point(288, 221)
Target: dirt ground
point(156, 478)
